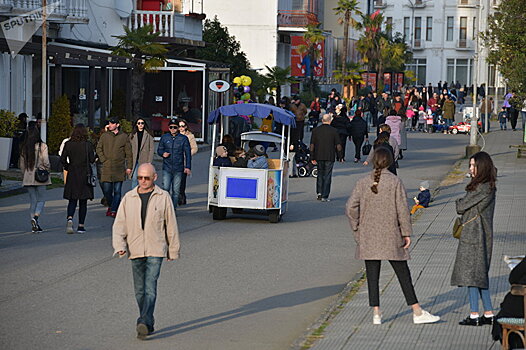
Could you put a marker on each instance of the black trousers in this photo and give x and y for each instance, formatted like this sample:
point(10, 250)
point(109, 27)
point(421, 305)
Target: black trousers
point(83, 209)
point(372, 267)
point(358, 142)
point(343, 142)
point(300, 125)
point(514, 115)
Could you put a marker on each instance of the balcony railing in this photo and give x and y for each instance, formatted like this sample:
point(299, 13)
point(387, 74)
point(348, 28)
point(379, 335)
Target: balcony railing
point(68, 11)
point(168, 24)
point(380, 4)
point(418, 44)
point(468, 3)
point(296, 18)
point(464, 44)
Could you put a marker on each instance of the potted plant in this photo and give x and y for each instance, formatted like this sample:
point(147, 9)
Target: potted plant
point(8, 122)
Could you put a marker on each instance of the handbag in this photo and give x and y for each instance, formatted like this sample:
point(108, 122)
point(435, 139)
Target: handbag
point(91, 178)
point(458, 226)
point(41, 175)
point(366, 149)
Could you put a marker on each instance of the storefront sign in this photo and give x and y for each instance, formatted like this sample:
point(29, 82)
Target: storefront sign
point(219, 85)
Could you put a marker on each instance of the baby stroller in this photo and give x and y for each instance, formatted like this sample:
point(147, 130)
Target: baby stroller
point(303, 161)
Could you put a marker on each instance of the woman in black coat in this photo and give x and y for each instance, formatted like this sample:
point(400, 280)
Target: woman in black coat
point(359, 132)
point(342, 123)
point(77, 157)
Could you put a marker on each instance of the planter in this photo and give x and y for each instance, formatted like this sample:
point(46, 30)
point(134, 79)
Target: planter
point(5, 152)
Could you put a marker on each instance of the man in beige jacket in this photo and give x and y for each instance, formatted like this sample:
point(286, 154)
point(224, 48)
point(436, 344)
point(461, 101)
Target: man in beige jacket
point(146, 228)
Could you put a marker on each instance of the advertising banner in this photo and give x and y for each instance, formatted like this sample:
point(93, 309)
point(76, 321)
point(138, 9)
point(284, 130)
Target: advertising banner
point(301, 63)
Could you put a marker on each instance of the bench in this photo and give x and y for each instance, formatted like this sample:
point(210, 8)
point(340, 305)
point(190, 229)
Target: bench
point(514, 325)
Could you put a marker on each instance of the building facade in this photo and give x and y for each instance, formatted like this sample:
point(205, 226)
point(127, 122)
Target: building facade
point(442, 35)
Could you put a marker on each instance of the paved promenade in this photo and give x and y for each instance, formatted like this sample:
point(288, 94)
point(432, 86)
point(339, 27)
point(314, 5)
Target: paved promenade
point(433, 253)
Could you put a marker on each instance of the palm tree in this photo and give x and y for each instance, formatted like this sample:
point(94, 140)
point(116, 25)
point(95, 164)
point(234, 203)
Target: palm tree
point(349, 76)
point(276, 77)
point(312, 37)
point(147, 55)
point(346, 8)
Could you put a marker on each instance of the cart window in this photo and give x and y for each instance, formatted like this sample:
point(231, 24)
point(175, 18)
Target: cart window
point(241, 188)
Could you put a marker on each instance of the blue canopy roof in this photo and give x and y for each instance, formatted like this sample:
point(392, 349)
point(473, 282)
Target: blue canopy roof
point(258, 110)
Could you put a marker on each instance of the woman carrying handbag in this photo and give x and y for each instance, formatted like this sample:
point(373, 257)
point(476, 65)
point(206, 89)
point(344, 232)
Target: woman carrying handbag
point(34, 163)
point(476, 240)
point(77, 158)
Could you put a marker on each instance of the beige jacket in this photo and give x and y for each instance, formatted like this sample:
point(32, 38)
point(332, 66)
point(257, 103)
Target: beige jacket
point(379, 221)
point(160, 237)
point(146, 151)
point(41, 161)
point(193, 143)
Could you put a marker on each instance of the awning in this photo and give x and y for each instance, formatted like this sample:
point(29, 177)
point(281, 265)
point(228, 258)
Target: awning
point(258, 110)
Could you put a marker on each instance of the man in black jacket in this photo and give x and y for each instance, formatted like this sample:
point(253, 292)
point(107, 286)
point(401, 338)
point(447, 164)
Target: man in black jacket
point(358, 132)
point(324, 144)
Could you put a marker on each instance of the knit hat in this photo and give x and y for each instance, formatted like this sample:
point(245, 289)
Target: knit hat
point(220, 151)
point(259, 150)
point(424, 184)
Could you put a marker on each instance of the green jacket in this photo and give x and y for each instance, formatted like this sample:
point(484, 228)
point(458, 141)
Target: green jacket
point(115, 154)
point(448, 111)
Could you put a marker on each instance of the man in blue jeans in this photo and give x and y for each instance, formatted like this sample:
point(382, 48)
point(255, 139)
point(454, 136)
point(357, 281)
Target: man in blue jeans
point(146, 228)
point(324, 144)
point(115, 154)
point(177, 159)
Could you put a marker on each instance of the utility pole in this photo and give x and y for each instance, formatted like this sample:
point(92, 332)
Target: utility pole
point(473, 147)
point(43, 125)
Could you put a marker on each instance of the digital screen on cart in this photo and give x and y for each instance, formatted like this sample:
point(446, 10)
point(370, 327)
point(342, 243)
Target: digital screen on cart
point(241, 188)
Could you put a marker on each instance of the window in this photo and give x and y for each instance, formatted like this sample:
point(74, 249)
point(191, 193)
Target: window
point(449, 33)
point(429, 28)
point(474, 34)
point(418, 28)
point(406, 28)
point(459, 69)
point(463, 32)
point(389, 26)
point(418, 66)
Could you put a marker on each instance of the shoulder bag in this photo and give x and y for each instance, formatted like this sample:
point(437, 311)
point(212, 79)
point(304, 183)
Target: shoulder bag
point(458, 226)
point(366, 149)
point(41, 175)
point(91, 177)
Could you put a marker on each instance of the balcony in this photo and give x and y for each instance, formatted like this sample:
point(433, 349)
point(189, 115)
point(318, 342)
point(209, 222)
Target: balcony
point(468, 3)
point(420, 4)
point(296, 18)
point(184, 20)
point(68, 11)
point(418, 44)
point(380, 4)
point(465, 45)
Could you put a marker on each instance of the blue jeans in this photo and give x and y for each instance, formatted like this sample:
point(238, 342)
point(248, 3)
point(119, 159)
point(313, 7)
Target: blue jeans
point(172, 184)
point(448, 122)
point(36, 199)
point(368, 116)
point(145, 274)
point(323, 181)
point(113, 193)
point(483, 120)
point(135, 182)
point(474, 293)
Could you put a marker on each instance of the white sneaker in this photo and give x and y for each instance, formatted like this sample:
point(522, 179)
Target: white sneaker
point(69, 227)
point(425, 317)
point(377, 319)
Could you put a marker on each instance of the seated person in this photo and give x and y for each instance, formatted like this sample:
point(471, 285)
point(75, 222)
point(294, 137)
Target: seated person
point(221, 158)
point(258, 159)
point(228, 142)
point(422, 201)
point(241, 158)
point(512, 306)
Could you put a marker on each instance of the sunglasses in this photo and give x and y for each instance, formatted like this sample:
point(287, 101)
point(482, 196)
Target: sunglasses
point(140, 123)
point(182, 126)
point(145, 178)
point(173, 127)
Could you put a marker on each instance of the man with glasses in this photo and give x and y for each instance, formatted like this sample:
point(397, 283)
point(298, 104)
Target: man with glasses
point(146, 228)
point(115, 154)
point(174, 148)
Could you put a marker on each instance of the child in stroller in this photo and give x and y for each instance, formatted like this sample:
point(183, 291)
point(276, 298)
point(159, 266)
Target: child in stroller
point(303, 161)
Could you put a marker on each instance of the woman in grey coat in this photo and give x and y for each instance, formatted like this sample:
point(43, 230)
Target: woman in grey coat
point(476, 242)
point(379, 217)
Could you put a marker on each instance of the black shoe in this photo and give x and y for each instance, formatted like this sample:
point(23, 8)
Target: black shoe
point(34, 226)
point(486, 320)
point(319, 197)
point(468, 321)
point(81, 229)
point(142, 331)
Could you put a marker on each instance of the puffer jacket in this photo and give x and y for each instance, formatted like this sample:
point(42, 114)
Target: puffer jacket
point(180, 154)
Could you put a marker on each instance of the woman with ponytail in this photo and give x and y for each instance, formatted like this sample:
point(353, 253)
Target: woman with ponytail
point(380, 221)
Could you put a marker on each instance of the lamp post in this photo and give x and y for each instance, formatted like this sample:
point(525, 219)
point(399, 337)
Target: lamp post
point(43, 125)
point(473, 147)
